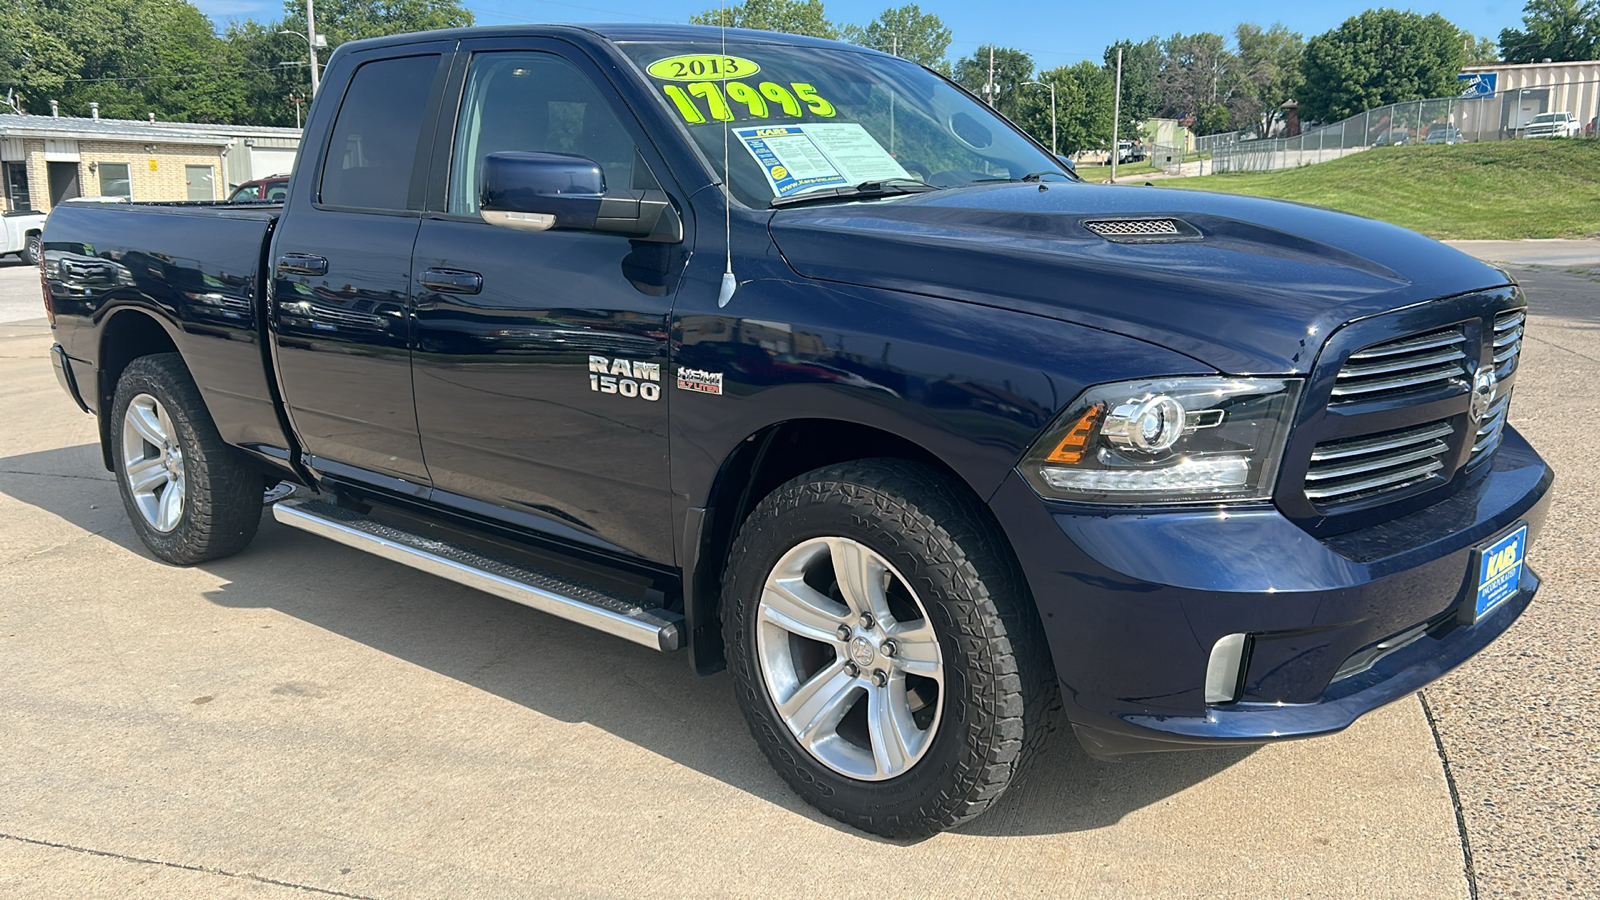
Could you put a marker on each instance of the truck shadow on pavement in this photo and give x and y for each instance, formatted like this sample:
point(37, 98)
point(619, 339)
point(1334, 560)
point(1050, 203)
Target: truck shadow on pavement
point(575, 675)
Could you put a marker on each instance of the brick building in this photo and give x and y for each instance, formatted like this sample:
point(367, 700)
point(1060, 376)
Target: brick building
point(46, 159)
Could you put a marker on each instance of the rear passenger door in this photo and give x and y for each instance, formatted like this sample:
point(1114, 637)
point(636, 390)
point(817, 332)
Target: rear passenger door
point(342, 261)
point(539, 357)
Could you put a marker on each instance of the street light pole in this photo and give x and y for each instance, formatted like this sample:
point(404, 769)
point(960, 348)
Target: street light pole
point(1116, 117)
point(311, 45)
point(1052, 87)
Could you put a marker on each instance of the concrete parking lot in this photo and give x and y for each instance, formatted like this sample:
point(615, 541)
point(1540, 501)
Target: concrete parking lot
point(305, 720)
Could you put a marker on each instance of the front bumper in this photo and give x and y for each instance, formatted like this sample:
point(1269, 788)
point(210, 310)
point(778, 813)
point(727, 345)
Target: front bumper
point(66, 377)
point(1133, 603)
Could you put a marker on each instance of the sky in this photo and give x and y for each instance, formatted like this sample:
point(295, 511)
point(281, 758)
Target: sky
point(1055, 33)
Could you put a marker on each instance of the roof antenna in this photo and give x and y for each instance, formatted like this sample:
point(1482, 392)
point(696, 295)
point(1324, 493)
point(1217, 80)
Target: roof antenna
point(729, 283)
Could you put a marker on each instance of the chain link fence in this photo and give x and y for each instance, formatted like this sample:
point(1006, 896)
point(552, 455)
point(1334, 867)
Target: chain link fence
point(1451, 120)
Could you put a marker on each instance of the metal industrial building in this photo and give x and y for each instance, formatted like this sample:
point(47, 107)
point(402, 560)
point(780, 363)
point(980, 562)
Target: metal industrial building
point(1505, 97)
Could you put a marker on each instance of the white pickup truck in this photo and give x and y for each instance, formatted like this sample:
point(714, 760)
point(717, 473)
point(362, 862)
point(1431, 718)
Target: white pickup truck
point(20, 233)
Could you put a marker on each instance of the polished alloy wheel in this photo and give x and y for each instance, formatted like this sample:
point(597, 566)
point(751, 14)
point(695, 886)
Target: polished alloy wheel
point(152, 462)
point(850, 659)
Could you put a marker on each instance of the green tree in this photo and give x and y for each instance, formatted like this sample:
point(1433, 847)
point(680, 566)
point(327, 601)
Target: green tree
point(1558, 30)
point(805, 17)
point(35, 60)
point(1480, 51)
point(907, 32)
point(351, 20)
point(1084, 94)
point(1141, 67)
point(1268, 73)
point(1011, 68)
point(1381, 56)
point(266, 87)
point(1198, 78)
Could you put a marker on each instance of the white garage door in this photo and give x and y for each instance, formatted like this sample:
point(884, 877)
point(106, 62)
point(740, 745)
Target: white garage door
point(264, 162)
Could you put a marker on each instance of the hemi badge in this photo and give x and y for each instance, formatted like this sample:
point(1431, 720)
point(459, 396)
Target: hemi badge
point(700, 381)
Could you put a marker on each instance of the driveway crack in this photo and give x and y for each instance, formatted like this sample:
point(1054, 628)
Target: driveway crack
point(1455, 800)
point(188, 868)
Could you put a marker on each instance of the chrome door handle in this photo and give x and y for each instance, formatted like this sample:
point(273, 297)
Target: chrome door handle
point(451, 281)
point(302, 264)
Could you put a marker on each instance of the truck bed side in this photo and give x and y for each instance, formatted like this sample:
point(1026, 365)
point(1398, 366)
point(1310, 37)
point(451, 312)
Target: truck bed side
point(131, 279)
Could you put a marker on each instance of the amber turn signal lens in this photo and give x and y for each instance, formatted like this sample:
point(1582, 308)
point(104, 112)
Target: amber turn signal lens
point(1072, 447)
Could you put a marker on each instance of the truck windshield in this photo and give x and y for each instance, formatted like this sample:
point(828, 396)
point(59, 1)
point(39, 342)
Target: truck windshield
point(811, 119)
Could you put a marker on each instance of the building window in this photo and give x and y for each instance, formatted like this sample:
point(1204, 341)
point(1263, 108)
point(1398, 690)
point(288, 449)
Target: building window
point(16, 176)
point(201, 182)
point(114, 180)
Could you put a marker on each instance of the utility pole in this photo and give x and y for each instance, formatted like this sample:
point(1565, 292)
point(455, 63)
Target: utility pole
point(989, 90)
point(1116, 117)
point(311, 45)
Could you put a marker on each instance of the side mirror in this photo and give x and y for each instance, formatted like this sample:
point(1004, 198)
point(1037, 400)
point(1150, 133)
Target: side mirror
point(1067, 161)
point(540, 191)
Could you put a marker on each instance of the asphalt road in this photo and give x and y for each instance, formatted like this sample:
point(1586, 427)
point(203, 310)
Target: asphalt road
point(305, 720)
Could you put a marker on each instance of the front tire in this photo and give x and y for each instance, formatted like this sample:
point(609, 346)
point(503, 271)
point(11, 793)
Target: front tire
point(884, 647)
point(189, 495)
point(33, 250)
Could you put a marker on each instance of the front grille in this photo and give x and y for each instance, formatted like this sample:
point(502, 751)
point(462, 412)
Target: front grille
point(1507, 341)
point(1134, 228)
point(1404, 365)
point(1490, 430)
point(1352, 469)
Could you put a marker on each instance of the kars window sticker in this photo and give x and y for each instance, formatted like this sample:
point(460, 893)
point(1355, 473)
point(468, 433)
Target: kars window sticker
point(796, 158)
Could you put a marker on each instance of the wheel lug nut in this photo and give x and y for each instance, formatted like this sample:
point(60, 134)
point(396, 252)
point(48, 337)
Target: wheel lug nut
point(844, 632)
point(866, 620)
point(879, 677)
point(888, 648)
point(852, 669)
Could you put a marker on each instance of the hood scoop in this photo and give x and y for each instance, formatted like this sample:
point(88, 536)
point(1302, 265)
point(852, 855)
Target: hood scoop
point(1144, 231)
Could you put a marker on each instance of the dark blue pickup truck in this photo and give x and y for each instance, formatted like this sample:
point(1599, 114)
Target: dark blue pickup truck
point(797, 358)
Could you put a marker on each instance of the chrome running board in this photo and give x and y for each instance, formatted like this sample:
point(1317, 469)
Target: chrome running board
point(653, 627)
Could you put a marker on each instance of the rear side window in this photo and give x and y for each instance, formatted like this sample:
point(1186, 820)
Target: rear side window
point(374, 144)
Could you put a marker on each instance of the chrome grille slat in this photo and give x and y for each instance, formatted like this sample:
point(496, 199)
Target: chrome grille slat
point(1436, 375)
point(1363, 370)
point(1508, 328)
point(1379, 443)
point(1411, 344)
point(1367, 486)
point(1422, 451)
point(1415, 362)
point(1491, 430)
point(1350, 469)
point(1509, 337)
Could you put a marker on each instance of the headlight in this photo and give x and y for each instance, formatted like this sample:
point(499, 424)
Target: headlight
point(1172, 440)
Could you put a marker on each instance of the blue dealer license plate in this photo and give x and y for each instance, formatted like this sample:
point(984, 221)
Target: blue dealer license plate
point(1500, 571)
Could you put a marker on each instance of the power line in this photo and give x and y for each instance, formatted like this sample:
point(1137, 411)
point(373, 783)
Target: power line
point(208, 74)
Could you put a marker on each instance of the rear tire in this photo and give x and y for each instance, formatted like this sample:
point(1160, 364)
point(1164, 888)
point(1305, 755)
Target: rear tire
point(921, 716)
point(190, 496)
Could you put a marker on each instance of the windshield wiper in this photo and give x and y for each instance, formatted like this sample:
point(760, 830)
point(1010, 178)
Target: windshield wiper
point(886, 187)
point(1030, 177)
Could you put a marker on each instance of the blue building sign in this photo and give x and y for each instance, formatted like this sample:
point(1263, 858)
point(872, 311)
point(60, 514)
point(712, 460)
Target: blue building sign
point(1478, 84)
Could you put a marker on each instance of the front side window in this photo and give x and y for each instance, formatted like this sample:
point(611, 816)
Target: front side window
point(535, 102)
point(373, 148)
point(804, 119)
point(114, 181)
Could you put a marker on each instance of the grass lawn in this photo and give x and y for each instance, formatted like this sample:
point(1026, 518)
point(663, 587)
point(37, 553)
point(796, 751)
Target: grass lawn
point(1502, 190)
point(1125, 171)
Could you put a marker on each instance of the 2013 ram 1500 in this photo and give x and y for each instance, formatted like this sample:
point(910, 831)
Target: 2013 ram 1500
point(798, 358)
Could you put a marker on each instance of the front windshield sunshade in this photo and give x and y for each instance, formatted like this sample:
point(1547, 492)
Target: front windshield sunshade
point(813, 119)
